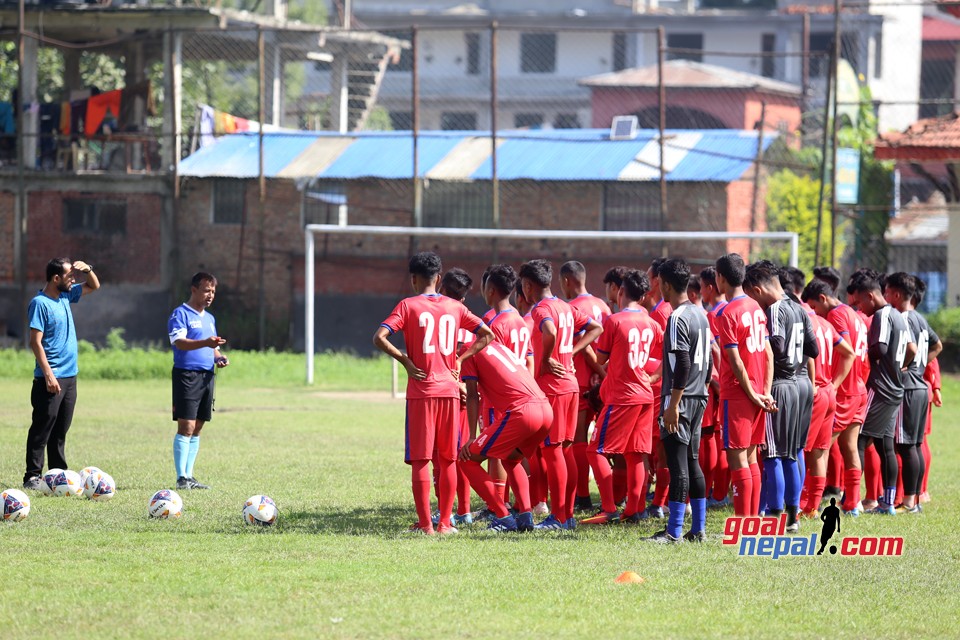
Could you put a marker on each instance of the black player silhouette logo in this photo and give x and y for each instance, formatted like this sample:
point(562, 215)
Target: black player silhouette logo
point(830, 516)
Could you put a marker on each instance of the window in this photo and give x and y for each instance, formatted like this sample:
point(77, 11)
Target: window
point(688, 41)
point(473, 53)
point(405, 63)
point(401, 120)
point(768, 62)
point(86, 215)
point(528, 120)
point(619, 51)
point(566, 121)
point(822, 43)
point(878, 55)
point(631, 206)
point(325, 203)
point(458, 121)
point(458, 204)
point(228, 201)
point(538, 52)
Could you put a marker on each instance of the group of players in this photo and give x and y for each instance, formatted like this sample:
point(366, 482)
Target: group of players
point(744, 377)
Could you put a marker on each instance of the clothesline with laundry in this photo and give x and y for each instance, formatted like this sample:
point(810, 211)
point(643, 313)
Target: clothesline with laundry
point(211, 123)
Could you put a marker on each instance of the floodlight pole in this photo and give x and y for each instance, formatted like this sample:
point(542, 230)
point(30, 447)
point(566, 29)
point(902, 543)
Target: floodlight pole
point(527, 234)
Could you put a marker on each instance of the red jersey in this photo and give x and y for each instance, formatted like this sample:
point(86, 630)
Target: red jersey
point(932, 374)
point(597, 309)
point(504, 384)
point(661, 313)
point(865, 370)
point(628, 337)
point(430, 324)
point(827, 339)
point(568, 322)
point(512, 331)
point(851, 328)
point(742, 325)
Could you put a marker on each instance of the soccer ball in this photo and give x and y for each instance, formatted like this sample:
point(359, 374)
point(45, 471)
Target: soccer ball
point(67, 483)
point(46, 487)
point(165, 504)
point(16, 505)
point(86, 471)
point(99, 486)
point(260, 510)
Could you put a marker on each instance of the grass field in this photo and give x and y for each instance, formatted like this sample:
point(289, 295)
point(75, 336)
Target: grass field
point(337, 564)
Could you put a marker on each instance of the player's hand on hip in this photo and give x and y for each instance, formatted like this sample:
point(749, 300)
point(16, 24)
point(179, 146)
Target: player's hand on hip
point(414, 371)
point(53, 385)
point(556, 368)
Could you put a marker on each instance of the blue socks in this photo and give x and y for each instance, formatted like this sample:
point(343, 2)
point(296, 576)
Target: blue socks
point(675, 521)
point(889, 495)
point(698, 507)
point(792, 482)
point(802, 465)
point(181, 448)
point(774, 483)
point(192, 454)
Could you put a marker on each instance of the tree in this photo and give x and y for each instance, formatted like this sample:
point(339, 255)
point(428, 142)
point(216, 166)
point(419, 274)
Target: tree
point(792, 206)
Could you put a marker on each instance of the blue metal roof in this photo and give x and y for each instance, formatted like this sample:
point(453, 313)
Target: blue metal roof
point(719, 155)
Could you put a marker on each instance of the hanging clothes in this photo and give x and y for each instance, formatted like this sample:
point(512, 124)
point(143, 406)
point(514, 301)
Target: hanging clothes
point(126, 120)
point(207, 125)
point(97, 108)
point(78, 114)
point(7, 121)
point(64, 118)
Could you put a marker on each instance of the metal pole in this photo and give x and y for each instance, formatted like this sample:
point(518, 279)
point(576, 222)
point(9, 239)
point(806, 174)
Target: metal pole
point(261, 284)
point(833, 173)
point(756, 172)
point(308, 301)
point(494, 181)
point(804, 70)
point(20, 226)
point(417, 185)
point(823, 163)
point(662, 124)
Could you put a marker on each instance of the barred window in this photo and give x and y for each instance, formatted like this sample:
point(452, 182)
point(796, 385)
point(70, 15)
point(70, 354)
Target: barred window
point(458, 204)
point(685, 41)
point(86, 215)
point(538, 52)
point(631, 206)
point(228, 201)
point(458, 121)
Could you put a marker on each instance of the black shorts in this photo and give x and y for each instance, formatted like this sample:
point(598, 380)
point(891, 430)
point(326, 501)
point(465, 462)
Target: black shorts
point(805, 393)
point(913, 417)
point(691, 410)
point(783, 426)
point(881, 419)
point(193, 395)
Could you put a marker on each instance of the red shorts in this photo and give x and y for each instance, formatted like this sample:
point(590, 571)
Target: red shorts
point(520, 430)
point(623, 428)
point(564, 425)
point(710, 413)
point(821, 420)
point(431, 429)
point(850, 410)
point(744, 423)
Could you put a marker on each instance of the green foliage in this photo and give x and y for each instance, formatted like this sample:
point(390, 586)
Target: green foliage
point(792, 206)
point(378, 120)
point(946, 322)
point(115, 339)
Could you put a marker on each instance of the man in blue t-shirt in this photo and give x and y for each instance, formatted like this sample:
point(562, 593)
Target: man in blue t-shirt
point(53, 340)
point(196, 356)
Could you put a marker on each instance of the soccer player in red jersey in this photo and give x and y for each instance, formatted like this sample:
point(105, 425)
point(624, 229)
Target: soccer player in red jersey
point(931, 375)
point(660, 311)
point(746, 376)
point(624, 424)
point(713, 460)
point(612, 281)
point(537, 466)
point(850, 388)
point(429, 323)
point(555, 324)
point(522, 418)
point(573, 285)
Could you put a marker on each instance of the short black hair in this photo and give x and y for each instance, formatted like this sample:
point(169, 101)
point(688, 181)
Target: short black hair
point(761, 272)
point(655, 266)
point(426, 264)
point(864, 281)
point(201, 276)
point(903, 282)
point(829, 275)
point(693, 284)
point(614, 275)
point(676, 272)
point(539, 271)
point(635, 284)
point(731, 267)
point(921, 291)
point(575, 269)
point(798, 279)
point(456, 282)
point(56, 267)
point(709, 276)
point(519, 289)
point(501, 277)
point(816, 288)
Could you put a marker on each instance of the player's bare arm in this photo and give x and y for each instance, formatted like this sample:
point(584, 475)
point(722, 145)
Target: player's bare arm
point(381, 342)
point(214, 342)
point(591, 333)
point(845, 353)
point(93, 282)
point(36, 345)
point(484, 337)
point(740, 374)
point(549, 339)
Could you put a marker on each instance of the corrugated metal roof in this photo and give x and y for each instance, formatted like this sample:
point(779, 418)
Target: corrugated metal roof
point(567, 154)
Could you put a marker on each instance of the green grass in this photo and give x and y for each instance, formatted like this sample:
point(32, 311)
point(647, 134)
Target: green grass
point(337, 566)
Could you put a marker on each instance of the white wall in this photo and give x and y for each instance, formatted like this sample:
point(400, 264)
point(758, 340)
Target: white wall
point(902, 40)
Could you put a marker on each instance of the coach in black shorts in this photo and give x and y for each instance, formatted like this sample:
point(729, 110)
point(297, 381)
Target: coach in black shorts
point(196, 356)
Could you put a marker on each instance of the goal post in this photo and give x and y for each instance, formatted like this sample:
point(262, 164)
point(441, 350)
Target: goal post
point(312, 230)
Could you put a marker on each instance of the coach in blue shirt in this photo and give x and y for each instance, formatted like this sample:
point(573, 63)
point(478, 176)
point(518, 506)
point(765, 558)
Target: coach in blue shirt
point(53, 340)
point(196, 355)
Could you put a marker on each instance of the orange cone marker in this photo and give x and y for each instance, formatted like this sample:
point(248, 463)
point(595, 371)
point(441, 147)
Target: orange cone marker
point(629, 577)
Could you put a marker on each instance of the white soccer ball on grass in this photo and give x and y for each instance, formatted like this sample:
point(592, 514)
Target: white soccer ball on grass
point(46, 484)
point(67, 483)
point(99, 486)
point(165, 504)
point(16, 505)
point(260, 510)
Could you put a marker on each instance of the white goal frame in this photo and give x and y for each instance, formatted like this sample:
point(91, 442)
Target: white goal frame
point(311, 230)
